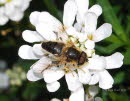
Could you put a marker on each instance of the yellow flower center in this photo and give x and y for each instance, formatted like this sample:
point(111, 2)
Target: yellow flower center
point(90, 37)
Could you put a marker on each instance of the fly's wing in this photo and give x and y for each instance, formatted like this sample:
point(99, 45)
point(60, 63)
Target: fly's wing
point(62, 36)
point(41, 65)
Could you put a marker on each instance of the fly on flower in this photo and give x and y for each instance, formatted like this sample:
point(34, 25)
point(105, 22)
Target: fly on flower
point(65, 54)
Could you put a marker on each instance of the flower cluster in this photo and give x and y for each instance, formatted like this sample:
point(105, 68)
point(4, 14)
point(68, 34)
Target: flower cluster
point(84, 34)
point(12, 9)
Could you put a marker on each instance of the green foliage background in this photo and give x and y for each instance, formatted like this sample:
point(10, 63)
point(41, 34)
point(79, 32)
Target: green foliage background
point(114, 11)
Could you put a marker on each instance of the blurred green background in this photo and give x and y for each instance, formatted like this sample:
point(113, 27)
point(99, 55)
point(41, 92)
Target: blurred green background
point(116, 12)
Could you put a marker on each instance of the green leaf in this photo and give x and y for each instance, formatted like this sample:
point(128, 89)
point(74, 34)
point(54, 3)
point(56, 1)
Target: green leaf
point(118, 97)
point(127, 57)
point(108, 49)
point(114, 39)
point(111, 17)
point(119, 77)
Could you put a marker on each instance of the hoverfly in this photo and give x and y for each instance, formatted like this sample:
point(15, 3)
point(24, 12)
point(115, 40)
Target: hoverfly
point(66, 54)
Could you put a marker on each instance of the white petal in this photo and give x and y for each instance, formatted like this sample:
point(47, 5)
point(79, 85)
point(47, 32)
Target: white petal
point(34, 17)
point(37, 49)
point(17, 15)
point(26, 4)
point(26, 52)
point(53, 87)
point(31, 76)
point(78, 27)
point(114, 61)
point(41, 65)
point(70, 10)
point(90, 23)
point(94, 79)
point(106, 81)
point(82, 7)
point(9, 9)
point(72, 32)
point(46, 31)
point(84, 75)
point(3, 19)
point(89, 44)
point(55, 99)
point(98, 99)
point(17, 2)
point(51, 75)
point(77, 95)
point(90, 52)
point(31, 36)
point(50, 21)
point(73, 81)
point(97, 63)
point(97, 9)
point(102, 32)
point(93, 90)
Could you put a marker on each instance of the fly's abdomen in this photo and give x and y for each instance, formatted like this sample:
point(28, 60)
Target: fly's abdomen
point(53, 47)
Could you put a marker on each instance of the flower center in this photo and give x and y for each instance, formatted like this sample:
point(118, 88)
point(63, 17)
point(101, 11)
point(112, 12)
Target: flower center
point(2, 3)
point(90, 37)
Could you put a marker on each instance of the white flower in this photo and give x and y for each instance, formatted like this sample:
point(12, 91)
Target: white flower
point(85, 28)
point(48, 28)
point(51, 28)
point(4, 80)
point(97, 66)
point(12, 9)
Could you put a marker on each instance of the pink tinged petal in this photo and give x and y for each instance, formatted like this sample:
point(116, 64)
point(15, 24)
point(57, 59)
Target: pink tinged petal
point(102, 32)
point(77, 95)
point(31, 76)
point(52, 75)
point(38, 50)
point(106, 81)
point(70, 10)
point(46, 32)
point(114, 61)
point(41, 65)
point(73, 81)
point(84, 75)
point(53, 87)
point(50, 21)
point(94, 79)
point(90, 23)
point(26, 52)
point(97, 9)
point(82, 7)
point(98, 99)
point(34, 17)
point(97, 63)
point(89, 44)
point(3, 19)
point(31, 36)
point(93, 90)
